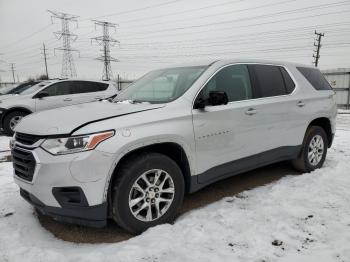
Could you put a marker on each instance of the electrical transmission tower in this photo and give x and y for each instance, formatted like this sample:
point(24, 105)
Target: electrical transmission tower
point(106, 41)
point(1, 70)
point(317, 44)
point(68, 67)
point(12, 65)
point(45, 59)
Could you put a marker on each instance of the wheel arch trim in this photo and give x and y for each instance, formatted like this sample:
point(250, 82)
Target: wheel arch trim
point(144, 145)
point(13, 109)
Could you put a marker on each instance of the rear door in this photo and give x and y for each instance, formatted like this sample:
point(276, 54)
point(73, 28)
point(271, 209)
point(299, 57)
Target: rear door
point(88, 91)
point(60, 94)
point(280, 111)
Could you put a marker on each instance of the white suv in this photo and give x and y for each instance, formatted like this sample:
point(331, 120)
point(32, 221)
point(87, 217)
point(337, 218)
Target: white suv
point(50, 94)
point(172, 132)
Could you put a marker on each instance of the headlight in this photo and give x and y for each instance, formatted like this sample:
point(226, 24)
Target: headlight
point(74, 144)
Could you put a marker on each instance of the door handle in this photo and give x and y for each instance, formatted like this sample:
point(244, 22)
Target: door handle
point(300, 104)
point(251, 111)
point(67, 99)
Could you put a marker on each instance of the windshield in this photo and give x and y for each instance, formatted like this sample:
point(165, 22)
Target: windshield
point(7, 90)
point(20, 88)
point(161, 86)
point(35, 88)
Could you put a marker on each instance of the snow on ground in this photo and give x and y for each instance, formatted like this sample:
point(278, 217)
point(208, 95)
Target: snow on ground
point(307, 217)
point(4, 143)
point(4, 148)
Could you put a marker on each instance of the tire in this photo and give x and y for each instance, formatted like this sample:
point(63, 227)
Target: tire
point(8, 124)
point(305, 164)
point(136, 169)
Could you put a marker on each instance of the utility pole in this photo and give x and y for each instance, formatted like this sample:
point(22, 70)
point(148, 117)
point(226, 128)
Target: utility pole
point(68, 67)
point(317, 44)
point(106, 41)
point(44, 53)
point(13, 71)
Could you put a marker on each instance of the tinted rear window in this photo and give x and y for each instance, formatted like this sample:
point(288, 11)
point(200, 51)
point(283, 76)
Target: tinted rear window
point(269, 79)
point(89, 87)
point(315, 78)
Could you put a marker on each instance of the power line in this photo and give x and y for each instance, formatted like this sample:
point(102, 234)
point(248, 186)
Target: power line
point(26, 37)
point(68, 67)
point(106, 41)
point(304, 9)
point(183, 11)
point(137, 9)
point(217, 14)
point(317, 44)
point(236, 20)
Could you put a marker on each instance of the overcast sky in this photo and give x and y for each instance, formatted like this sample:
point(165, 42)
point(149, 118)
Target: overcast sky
point(158, 33)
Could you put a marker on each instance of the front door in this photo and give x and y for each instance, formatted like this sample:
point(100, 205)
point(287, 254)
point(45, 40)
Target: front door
point(60, 94)
point(226, 133)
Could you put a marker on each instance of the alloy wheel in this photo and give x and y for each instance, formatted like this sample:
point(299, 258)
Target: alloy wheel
point(315, 150)
point(151, 195)
point(14, 121)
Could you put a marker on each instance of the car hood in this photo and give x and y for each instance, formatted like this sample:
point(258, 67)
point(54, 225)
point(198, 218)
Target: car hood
point(5, 97)
point(68, 119)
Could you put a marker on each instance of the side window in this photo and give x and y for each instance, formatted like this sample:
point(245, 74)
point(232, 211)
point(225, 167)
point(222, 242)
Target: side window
point(102, 86)
point(234, 80)
point(269, 79)
point(315, 78)
point(89, 87)
point(59, 89)
point(289, 84)
point(51, 90)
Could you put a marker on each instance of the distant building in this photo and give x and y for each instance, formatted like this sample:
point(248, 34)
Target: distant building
point(339, 79)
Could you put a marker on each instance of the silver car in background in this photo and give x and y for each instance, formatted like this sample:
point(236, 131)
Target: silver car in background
point(172, 132)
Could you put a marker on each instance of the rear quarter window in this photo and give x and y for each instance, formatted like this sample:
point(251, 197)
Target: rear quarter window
point(288, 82)
point(315, 78)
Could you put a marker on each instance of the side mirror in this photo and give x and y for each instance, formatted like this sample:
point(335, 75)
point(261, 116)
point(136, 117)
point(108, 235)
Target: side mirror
point(200, 103)
point(41, 95)
point(217, 98)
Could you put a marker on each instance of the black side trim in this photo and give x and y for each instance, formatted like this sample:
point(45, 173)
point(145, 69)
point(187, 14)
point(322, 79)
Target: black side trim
point(243, 165)
point(92, 216)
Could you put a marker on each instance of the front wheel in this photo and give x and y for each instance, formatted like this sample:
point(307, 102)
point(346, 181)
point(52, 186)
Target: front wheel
point(11, 120)
point(148, 191)
point(314, 150)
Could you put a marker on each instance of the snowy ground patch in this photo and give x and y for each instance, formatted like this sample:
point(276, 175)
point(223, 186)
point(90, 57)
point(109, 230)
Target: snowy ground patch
point(298, 218)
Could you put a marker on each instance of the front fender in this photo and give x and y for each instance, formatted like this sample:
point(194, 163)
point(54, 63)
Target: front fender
point(144, 142)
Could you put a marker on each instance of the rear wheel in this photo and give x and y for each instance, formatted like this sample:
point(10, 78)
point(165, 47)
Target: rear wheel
point(148, 191)
point(11, 120)
point(314, 150)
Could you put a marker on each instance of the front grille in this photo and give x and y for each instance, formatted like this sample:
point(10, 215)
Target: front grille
point(23, 163)
point(26, 139)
